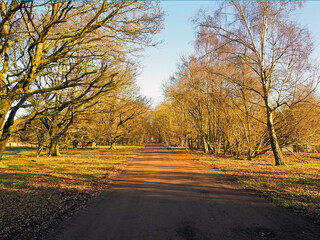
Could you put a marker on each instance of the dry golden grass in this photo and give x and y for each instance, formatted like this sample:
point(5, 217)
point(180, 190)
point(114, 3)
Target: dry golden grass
point(37, 192)
point(295, 185)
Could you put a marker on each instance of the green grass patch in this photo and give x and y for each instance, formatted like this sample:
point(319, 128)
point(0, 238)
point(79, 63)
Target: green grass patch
point(304, 181)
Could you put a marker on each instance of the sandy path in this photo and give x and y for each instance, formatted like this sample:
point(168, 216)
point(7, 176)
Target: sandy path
point(162, 195)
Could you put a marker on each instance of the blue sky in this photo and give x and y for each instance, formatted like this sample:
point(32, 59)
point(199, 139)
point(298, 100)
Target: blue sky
point(160, 63)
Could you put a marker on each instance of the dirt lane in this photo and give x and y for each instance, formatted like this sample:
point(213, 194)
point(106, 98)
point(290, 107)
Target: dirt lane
point(161, 195)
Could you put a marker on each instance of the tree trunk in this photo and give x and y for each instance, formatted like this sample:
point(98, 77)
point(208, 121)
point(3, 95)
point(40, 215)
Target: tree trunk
point(39, 149)
point(3, 145)
point(274, 140)
point(6, 133)
point(187, 143)
point(205, 146)
point(75, 144)
point(54, 147)
point(113, 145)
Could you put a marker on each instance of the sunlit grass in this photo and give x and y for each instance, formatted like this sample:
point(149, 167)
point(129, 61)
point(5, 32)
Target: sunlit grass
point(33, 188)
point(295, 185)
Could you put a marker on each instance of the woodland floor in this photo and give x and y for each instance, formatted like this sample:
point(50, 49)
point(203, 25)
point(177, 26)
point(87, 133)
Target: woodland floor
point(38, 193)
point(161, 194)
point(164, 195)
point(295, 186)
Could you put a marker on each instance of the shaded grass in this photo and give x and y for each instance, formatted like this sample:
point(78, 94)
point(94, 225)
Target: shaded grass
point(36, 192)
point(295, 185)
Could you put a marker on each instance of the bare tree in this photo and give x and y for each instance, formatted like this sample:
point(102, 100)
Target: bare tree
point(266, 39)
point(38, 36)
point(118, 117)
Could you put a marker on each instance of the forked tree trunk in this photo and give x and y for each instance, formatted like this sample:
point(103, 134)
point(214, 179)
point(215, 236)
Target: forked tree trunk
point(54, 147)
point(207, 147)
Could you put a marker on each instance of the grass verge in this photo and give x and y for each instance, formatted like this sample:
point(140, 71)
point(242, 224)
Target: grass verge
point(295, 185)
point(37, 193)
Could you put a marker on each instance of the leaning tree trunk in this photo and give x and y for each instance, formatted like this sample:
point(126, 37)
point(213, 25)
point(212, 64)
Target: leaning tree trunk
point(39, 149)
point(54, 147)
point(274, 140)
